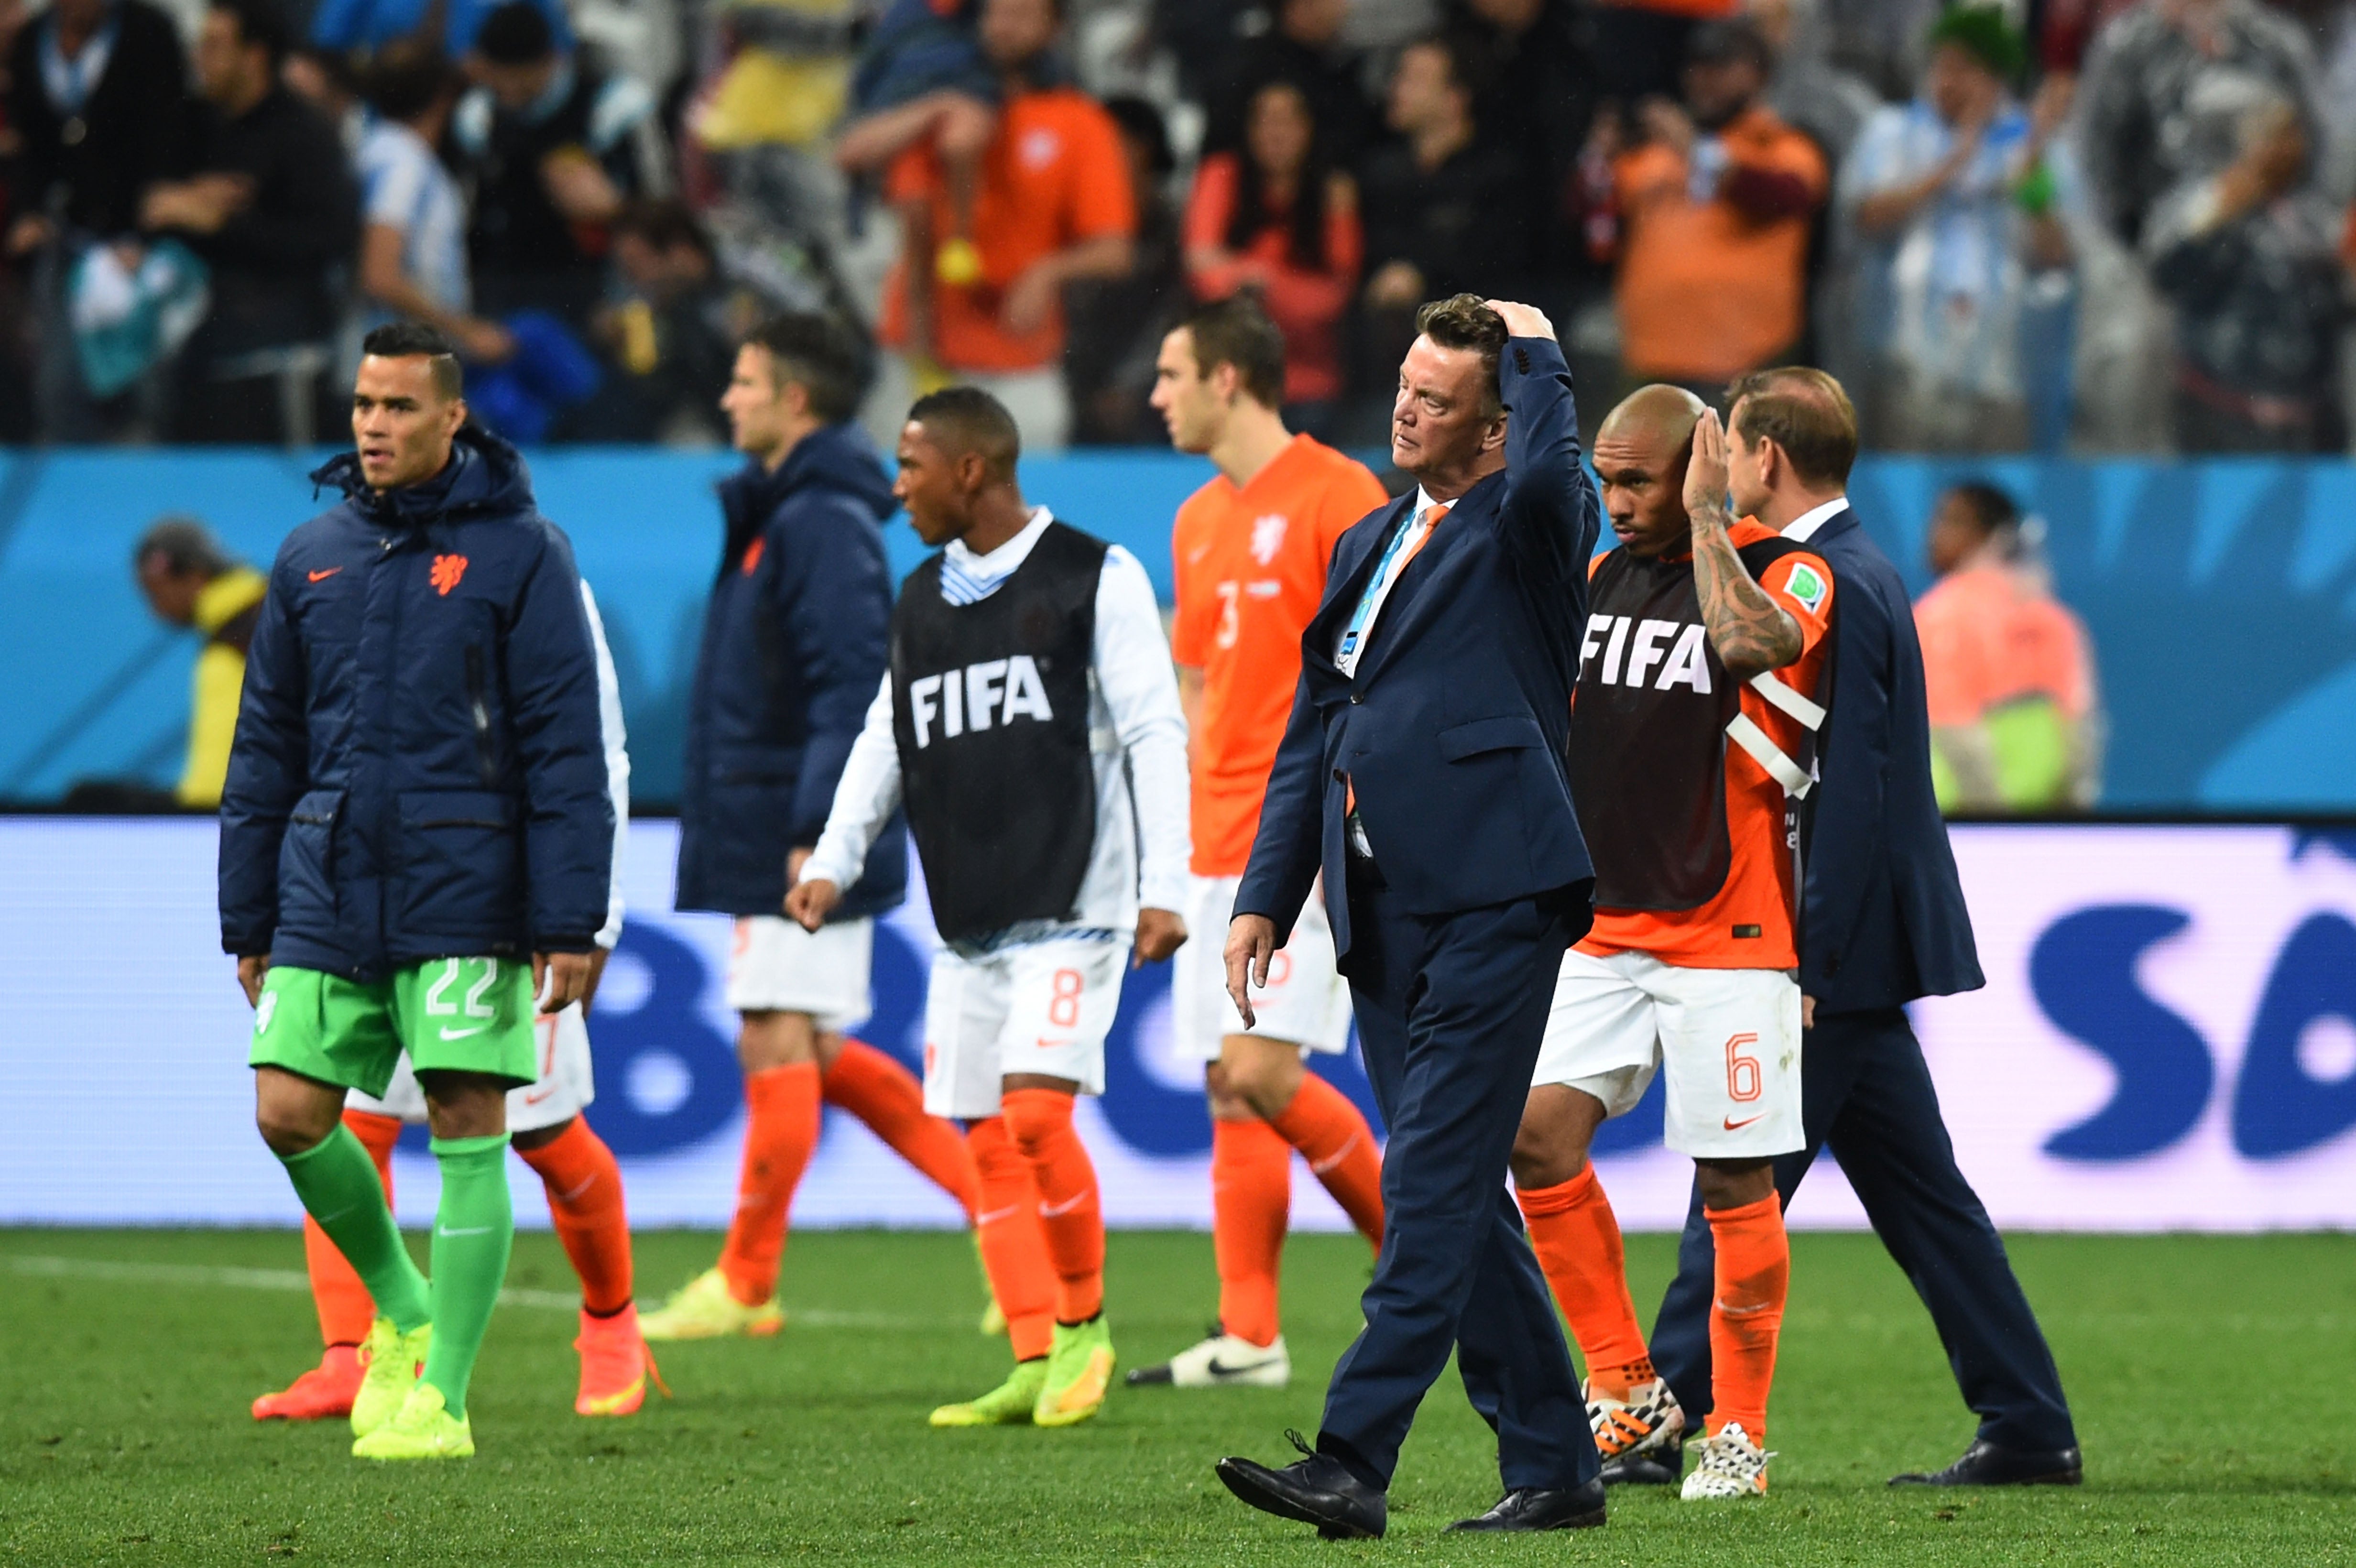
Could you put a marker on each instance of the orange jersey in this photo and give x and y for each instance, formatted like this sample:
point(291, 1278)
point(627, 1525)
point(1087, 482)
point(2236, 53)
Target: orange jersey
point(1054, 176)
point(1250, 565)
point(1749, 923)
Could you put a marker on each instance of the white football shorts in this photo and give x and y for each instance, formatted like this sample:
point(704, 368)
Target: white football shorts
point(1729, 1038)
point(563, 1091)
point(1043, 1007)
point(1307, 1001)
point(777, 966)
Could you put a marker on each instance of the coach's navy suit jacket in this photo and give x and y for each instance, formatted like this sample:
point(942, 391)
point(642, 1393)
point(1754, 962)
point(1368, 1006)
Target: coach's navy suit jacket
point(1454, 729)
point(1883, 920)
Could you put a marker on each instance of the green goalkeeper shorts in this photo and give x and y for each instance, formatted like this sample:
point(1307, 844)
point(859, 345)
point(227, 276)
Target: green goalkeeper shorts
point(451, 1015)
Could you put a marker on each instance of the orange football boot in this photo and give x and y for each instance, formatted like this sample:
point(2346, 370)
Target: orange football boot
point(615, 1364)
point(325, 1390)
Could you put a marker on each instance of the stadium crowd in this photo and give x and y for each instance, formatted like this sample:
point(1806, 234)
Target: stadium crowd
point(2099, 225)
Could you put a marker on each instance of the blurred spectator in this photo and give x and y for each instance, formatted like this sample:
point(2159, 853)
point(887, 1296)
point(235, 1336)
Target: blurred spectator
point(273, 209)
point(1305, 48)
point(2168, 87)
point(2249, 258)
point(2010, 671)
point(672, 336)
point(1714, 207)
point(97, 93)
point(1956, 196)
point(362, 27)
point(923, 81)
point(1054, 207)
point(413, 217)
point(1115, 326)
point(553, 145)
point(1641, 46)
point(1807, 91)
point(190, 580)
point(1536, 94)
point(1277, 219)
point(759, 127)
point(1446, 209)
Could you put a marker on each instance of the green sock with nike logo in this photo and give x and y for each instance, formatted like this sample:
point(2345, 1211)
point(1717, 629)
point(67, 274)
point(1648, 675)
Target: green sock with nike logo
point(473, 1231)
point(337, 1184)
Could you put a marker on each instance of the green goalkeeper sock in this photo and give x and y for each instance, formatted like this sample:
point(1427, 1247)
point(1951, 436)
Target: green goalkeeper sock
point(337, 1184)
point(473, 1232)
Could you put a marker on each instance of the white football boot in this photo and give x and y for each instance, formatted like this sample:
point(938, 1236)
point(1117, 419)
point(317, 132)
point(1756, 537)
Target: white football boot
point(1222, 1361)
point(1731, 1466)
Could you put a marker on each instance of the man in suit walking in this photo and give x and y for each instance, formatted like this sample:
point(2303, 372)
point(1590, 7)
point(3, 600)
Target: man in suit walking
point(1882, 922)
point(1423, 771)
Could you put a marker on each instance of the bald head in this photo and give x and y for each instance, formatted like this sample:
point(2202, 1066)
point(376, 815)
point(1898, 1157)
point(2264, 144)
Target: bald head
point(1654, 415)
point(1640, 452)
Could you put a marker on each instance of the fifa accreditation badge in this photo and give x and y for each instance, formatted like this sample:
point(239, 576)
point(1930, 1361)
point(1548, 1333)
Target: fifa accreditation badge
point(1807, 585)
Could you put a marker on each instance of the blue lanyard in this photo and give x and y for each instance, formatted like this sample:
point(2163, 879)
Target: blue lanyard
point(1357, 629)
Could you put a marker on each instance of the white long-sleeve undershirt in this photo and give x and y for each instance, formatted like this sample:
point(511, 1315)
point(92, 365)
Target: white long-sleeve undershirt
point(1137, 732)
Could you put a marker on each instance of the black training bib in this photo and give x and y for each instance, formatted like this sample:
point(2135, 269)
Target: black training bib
point(990, 711)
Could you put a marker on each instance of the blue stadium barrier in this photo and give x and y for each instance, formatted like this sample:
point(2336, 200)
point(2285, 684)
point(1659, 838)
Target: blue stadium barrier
point(2221, 597)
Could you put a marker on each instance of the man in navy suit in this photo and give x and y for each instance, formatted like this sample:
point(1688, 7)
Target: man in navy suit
point(1882, 922)
point(1423, 773)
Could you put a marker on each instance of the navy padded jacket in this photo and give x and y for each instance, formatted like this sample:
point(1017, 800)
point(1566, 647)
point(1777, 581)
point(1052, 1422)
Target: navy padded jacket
point(795, 640)
point(419, 770)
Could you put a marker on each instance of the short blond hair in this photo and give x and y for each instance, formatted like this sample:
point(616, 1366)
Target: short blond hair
point(1804, 411)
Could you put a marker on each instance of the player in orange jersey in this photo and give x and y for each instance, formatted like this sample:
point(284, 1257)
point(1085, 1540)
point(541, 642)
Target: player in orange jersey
point(1692, 741)
point(1251, 548)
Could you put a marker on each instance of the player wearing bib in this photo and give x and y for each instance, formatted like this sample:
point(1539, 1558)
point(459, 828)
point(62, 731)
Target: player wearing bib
point(1692, 740)
point(794, 638)
point(1030, 723)
point(1249, 551)
point(416, 838)
point(544, 1124)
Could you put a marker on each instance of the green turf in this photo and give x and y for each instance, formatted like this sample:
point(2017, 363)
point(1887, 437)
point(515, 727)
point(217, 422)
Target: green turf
point(2213, 1380)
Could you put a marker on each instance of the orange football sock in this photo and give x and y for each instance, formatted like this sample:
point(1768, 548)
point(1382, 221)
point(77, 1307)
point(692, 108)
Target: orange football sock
point(1070, 1210)
point(345, 1309)
point(1746, 1315)
point(875, 1087)
point(780, 1130)
point(1333, 1138)
point(1577, 1238)
point(1013, 1246)
point(584, 1199)
point(1251, 1197)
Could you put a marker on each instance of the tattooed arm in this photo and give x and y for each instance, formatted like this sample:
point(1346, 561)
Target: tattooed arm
point(1750, 632)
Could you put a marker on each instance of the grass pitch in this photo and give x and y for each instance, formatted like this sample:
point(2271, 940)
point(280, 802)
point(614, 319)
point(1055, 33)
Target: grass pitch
point(2213, 1380)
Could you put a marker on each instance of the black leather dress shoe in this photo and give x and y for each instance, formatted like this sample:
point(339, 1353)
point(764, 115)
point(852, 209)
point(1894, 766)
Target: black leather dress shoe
point(1664, 1467)
point(1318, 1490)
point(1985, 1464)
point(1542, 1508)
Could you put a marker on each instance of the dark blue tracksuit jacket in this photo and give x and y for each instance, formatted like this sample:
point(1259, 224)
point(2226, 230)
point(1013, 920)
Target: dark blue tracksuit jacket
point(795, 640)
point(419, 770)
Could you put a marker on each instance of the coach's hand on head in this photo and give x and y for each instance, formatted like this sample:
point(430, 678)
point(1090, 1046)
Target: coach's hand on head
point(1251, 947)
point(1522, 320)
point(1159, 933)
point(252, 970)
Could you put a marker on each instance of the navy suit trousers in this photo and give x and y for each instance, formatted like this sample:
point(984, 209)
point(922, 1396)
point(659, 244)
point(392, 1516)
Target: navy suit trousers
point(1451, 1010)
point(1867, 1093)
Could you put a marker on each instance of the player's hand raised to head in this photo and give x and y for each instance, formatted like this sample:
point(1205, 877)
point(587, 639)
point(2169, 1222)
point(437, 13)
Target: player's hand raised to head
point(811, 902)
point(1159, 933)
point(252, 970)
point(1251, 947)
point(1706, 469)
point(1522, 320)
point(561, 979)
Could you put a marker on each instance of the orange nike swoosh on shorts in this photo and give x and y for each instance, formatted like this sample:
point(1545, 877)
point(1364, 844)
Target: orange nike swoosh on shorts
point(1734, 1127)
point(323, 576)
